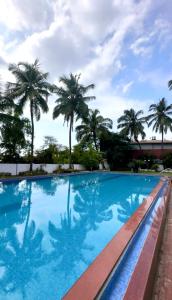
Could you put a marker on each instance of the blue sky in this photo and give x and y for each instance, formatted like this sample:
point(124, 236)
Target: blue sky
point(123, 46)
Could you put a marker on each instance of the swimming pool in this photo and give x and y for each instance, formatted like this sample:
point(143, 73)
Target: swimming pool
point(52, 229)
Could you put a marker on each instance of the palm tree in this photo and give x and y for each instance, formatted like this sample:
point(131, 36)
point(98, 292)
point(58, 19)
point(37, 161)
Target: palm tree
point(31, 87)
point(132, 125)
point(160, 118)
point(72, 102)
point(170, 84)
point(92, 126)
point(6, 104)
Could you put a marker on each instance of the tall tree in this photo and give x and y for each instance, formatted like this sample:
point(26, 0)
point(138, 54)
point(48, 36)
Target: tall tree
point(131, 125)
point(6, 105)
point(91, 128)
point(13, 140)
point(31, 87)
point(116, 149)
point(160, 118)
point(72, 102)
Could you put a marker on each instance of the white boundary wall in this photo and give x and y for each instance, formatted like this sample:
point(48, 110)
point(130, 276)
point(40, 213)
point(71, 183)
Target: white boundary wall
point(15, 169)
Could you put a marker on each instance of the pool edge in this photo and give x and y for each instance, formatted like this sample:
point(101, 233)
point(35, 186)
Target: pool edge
point(88, 286)
point(141, 283)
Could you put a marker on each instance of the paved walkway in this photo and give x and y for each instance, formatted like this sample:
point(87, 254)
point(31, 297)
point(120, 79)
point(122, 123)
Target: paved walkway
point(163, 280)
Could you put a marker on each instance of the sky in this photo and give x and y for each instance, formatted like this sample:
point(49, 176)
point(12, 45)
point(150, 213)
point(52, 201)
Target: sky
point(124, 47)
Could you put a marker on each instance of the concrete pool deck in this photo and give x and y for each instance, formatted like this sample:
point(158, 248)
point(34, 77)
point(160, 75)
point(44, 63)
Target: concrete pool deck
point(163, 280)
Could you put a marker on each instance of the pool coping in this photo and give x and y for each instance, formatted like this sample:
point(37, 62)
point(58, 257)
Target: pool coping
point(142, 280)
point(89, 285)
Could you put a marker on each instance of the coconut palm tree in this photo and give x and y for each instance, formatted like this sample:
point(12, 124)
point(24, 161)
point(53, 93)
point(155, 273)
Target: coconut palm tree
point(6, 104)
point(72, 102)
point(31, 87)
point(92, 126)
point(160, 118)
point(170, 84)
point(131, 125)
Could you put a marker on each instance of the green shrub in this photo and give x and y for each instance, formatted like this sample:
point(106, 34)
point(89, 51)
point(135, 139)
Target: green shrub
point(116, 149)
point(135, 165)
point(155, 167)
point(32, 173)
point(167, 160)
point(148, 159)
point(2, 174)
point(90, 159)
point(61, 170)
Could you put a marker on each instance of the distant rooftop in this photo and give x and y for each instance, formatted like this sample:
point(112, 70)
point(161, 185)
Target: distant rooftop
point(153, 141)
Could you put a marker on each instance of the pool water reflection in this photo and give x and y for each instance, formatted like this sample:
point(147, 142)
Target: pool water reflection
point(52, 229)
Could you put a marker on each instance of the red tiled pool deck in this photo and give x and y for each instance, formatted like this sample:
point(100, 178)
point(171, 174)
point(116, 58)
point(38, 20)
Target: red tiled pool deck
point(163, 280)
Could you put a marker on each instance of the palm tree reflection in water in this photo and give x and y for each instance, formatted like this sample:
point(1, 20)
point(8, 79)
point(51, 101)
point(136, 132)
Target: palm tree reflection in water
point(19, 260)
point(88, 204)
point(128, 207)
point(68, 241)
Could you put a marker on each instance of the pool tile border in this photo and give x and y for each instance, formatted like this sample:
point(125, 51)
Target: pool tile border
point(88, 286)
point(141, 283)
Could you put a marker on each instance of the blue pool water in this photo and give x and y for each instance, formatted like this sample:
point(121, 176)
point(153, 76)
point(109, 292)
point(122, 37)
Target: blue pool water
point(52, 229)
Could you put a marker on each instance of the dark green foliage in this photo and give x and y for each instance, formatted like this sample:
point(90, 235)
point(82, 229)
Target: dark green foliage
point(77, 153)
point(62, 170)
point(148, 159)
point(90, 159)
point(155, 167)
point(160, 118)
point(13, 140)
point(167, 160)
point(131, 125)
point(46, 155)
point(3, 175)
point(32, 173)
point(116, 150)
point(91, 128)
point(52, 152)
point(135, 165)
point(49, 152)
point(86, 156)
point(6, 106)
point(63, 156)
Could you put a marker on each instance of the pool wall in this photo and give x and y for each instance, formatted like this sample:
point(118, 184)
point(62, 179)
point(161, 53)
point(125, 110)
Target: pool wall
point(142, 280)
point(94, 279)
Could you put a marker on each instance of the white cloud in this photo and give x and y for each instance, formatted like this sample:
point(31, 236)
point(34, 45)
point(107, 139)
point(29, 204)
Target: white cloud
point(160, 32)
point(141, 46)
point(91, 37)
point(26, 14)
point(127, 86)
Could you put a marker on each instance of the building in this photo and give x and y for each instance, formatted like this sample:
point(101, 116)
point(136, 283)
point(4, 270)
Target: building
point(151, 147)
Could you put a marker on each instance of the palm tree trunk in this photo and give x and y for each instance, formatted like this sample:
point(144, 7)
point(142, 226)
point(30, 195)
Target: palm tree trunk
point(162, 140)
point(70, 142)
point(95, 142)
point(139, 146)
point(32, 133)
point(137, 141)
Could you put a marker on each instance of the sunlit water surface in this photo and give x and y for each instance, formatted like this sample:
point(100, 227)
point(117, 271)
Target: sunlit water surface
point(52, 229)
